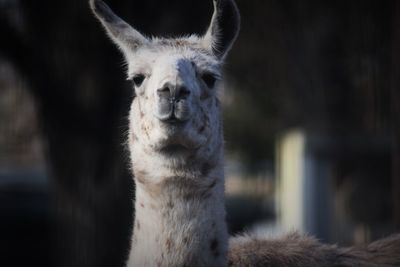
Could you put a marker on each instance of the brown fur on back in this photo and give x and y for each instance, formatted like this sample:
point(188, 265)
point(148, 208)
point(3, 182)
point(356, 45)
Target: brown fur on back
point(295, 250)
point(382, 253)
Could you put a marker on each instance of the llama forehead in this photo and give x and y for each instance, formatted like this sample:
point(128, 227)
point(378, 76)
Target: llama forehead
point(164, 53)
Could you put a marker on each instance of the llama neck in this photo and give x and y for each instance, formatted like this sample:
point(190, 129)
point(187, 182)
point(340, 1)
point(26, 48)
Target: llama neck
point(180, 220)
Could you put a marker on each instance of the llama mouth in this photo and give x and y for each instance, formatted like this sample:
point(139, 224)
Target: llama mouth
point(174, 123)
point(174, 149)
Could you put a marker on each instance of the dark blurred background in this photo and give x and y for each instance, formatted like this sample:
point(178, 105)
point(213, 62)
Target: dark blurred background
point(312, 117)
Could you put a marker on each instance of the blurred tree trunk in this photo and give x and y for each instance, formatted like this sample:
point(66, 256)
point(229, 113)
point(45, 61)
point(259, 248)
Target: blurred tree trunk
point(61, 52)
point(395, 104)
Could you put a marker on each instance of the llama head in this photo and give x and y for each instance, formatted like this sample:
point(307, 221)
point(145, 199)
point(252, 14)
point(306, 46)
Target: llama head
point(175, 111)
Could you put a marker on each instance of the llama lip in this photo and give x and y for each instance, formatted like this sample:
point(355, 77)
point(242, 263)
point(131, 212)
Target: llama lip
point(174, 121)
point(174, 149)
point(174, 126)
point(174, 117)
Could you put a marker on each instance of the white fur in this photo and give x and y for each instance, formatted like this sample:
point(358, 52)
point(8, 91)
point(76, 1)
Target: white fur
point(193, 219)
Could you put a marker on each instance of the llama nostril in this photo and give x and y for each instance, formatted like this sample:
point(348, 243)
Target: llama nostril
point(183, 93)
point(164, 92)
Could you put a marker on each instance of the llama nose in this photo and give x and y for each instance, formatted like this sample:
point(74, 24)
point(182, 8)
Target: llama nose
point(172, 103)
point(173, 93)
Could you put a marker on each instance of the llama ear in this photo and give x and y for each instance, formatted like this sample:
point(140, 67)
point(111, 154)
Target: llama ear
point(224, 27)
point(122, 34)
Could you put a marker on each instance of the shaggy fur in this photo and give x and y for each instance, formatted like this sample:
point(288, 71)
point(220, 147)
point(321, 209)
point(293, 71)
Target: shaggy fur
point(176, 149)
point(295, 250)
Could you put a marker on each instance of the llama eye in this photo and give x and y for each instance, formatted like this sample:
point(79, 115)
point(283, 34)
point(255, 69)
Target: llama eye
point(209, 79)
point(138, 80)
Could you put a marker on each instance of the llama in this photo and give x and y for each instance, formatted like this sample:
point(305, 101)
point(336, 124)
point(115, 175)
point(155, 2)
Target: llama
point(176, 150)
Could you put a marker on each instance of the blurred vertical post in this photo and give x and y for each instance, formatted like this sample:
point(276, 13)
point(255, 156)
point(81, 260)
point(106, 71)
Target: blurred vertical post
point(291, 188)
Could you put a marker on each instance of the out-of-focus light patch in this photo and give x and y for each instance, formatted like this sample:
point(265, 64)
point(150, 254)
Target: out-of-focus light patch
point(290, 193)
